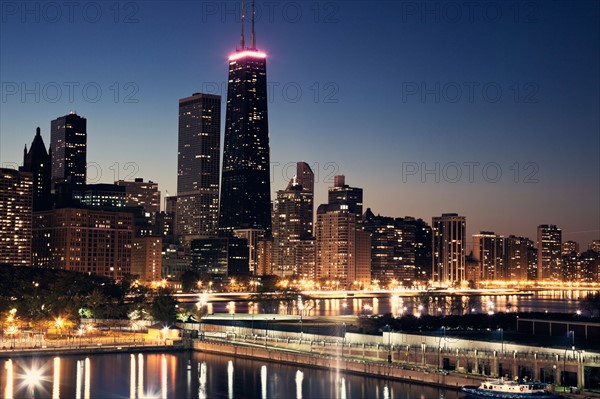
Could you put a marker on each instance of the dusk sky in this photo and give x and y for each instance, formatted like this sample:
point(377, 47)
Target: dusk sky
point(503, 96)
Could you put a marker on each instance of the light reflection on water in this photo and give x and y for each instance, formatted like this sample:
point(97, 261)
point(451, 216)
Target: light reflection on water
point(565, 301)
point(167, 376)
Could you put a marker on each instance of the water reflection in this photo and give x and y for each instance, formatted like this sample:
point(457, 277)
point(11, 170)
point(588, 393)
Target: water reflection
point(230, 379)
point(132, 371)
point(202, 381)
point(8, 390)
point(122, 375)
point(263, 381)
point(299, 378)
point(539, 301)
point(56, 379)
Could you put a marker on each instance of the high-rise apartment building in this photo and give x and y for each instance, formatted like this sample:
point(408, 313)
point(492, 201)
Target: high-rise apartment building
point(350, 198)
point(517, 257)
point(392, 248)
point(16, 209)
point(343, 248)
point(197, 206)
point(68, 149)
point(568, 247)
point(448, 243)
point(488, 250)
point(549, 246)
point(292, 222)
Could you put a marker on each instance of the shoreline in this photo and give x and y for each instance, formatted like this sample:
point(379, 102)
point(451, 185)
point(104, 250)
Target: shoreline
point(275, 354)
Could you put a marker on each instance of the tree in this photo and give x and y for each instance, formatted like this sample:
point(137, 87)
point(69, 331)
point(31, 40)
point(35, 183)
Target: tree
point(163, 307)
point(96, 302)
point(591, 304)
point(189, 280)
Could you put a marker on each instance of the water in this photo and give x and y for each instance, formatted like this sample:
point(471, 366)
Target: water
point(191, 375)
point(560, 301)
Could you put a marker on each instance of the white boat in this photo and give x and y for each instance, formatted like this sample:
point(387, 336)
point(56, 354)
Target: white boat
point(501, 388)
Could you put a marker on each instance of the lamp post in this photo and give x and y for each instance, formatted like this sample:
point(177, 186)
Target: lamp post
point(501, 340)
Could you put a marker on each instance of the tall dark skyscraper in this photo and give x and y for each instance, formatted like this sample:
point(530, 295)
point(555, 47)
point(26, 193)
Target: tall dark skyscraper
point(245, 182)
point(68, 149)
point(37, 162)
point(197, 209)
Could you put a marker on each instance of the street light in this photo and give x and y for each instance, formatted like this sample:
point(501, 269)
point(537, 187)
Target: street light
point(501, 339)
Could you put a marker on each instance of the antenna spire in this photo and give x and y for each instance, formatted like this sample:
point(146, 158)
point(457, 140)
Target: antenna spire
point(253, 35)
point(242, 37)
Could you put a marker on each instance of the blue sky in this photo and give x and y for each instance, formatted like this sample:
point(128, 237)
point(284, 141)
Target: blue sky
point(499, 100)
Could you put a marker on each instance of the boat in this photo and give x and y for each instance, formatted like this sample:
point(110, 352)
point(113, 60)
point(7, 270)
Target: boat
point(505, 389)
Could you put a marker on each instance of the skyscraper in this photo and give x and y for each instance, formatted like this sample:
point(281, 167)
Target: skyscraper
point(342, 194)
point(68, 149)
point(516, 257)
point(197, 206)
point(245, 181)
point(343, 248)
point(37, 162)
point(488, 250)
point(16, 192)
point(448, 242)
point(292, 222)
point(392, 248)
point(549, 241)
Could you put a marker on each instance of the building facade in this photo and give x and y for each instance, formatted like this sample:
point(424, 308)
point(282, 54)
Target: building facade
point(90, 241)
point(549, 246)
point(392, 248)
point(68, 149)
point(488, 250)
point(448, 244)
point(146, 258)
point(16, 210)
point(141, 193)
point(37, 162)
point(245, 180)
point(343, 248)
point(517, 254)
point(199, 146)
point(292, 223)
point(220, 257)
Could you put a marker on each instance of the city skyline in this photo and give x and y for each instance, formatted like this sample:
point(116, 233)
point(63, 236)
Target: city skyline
point(389, 166)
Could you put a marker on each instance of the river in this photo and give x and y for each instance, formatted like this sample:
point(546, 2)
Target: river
point(191, 375)
point(559, 301)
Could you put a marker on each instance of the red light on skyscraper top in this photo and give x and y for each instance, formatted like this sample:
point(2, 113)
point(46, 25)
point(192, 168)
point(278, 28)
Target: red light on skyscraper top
point(247, 53)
